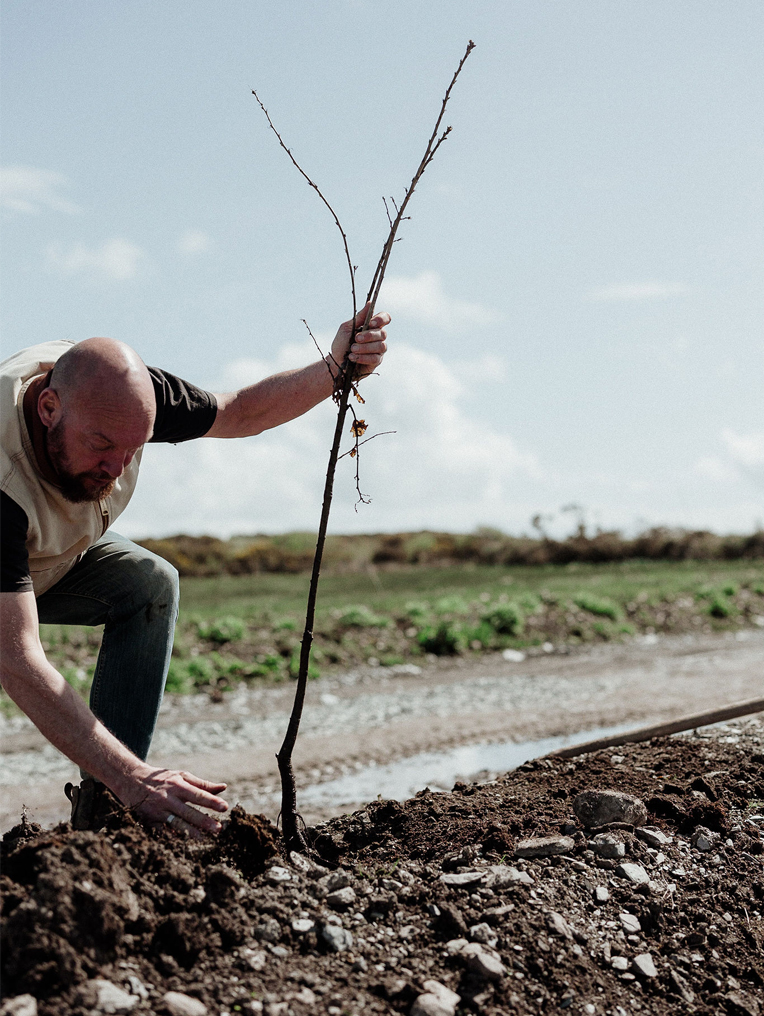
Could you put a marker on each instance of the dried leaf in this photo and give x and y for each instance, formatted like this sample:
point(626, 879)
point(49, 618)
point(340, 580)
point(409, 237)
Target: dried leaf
point(358, 428)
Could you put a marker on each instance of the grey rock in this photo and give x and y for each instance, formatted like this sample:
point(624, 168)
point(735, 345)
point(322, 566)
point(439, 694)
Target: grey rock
point(483, 933)
point(390, 885)
point(601, 807)
point(633, 873)
point(643, 966)
point(300, 863)
point(482, 963)
point(704, 839)
point(630, 923)
point(21, 1005)
point(104, 997)
point(268, 931)
point(438, 1000)
point(430, 1005)
point(601, 894)
point(654, 837)
point(608, 845)
point(341, 899)
point(545, 846)
point(501, 875)
point(277, 875)
point(455, 946)
point(179, 1004)
point(558, 925)
point(463, 879)
point(681, 986)
point(619, 963)
point(302, 925)
point(740, 1002)
point(255, 959)
point(338, 939)
point(337, 880)
point(137, 987)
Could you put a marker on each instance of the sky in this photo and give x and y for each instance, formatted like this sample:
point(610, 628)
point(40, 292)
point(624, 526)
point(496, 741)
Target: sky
point(576, 298)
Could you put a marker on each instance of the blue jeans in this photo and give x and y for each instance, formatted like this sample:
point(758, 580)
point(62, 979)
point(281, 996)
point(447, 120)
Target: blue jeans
point(134, 594)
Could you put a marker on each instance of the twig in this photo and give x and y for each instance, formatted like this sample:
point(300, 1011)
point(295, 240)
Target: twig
point(354, 450)
point(293, 827)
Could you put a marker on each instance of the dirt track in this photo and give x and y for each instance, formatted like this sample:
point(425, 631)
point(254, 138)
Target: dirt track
point(373, 716)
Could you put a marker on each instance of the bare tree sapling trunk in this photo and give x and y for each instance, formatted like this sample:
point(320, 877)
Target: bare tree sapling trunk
point(345, 381)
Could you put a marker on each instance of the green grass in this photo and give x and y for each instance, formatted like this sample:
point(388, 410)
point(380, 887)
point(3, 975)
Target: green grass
point(248, 627)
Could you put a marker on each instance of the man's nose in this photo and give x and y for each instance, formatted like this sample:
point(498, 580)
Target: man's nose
point(114, 466)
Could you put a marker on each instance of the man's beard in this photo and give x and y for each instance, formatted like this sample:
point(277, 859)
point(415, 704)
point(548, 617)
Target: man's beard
point(79, 488)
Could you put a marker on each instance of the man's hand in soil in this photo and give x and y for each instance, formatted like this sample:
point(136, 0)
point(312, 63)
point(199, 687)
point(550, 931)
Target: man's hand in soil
point(282, 397)
point(166, 797)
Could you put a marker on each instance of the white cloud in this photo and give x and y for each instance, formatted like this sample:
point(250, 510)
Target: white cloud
point(423, 299)
point(28, 190)
point(745, 449)
point(636, 291)
point(441, 467)
point(115, 259)
point(194, 241)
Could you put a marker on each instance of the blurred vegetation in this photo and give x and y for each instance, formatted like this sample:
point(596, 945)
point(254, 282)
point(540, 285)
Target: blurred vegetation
point(235, 628)
point(292, 553)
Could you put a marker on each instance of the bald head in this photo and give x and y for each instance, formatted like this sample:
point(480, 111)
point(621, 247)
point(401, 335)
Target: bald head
point(99, 408)
point(106, 375)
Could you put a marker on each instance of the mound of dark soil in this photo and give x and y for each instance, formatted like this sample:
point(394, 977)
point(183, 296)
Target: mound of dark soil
point(617, 920)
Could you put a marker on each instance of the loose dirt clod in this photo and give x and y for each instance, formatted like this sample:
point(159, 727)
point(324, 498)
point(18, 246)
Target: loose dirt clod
point(136, 914)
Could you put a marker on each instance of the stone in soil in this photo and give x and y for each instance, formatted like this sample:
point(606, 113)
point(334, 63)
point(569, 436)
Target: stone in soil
point(633, 873)
point(545, 846)
point(603, 807)
point(178, 1004)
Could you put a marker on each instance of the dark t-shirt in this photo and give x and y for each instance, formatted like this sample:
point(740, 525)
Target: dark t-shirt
point(184, 412)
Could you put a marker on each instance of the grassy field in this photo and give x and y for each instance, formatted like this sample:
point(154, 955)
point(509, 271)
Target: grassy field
point(248, 627)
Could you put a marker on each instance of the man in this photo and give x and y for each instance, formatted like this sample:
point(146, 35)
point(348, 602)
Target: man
point(74, 422)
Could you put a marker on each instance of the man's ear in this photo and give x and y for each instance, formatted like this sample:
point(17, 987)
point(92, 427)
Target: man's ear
point(49, 407)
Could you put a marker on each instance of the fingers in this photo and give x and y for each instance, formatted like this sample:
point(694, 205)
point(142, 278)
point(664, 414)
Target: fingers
point(172, 795)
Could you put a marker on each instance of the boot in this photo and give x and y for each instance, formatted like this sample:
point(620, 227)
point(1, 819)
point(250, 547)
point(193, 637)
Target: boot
point(91, 804)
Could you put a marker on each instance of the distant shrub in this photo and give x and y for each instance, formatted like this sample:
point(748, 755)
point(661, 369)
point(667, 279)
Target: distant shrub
point(505, 618)
point(484, 634)
point(720, 606)
point(443, 640)
point(178, 679)
point(201, 669)
point(451, 605)
point(287, 624)
point(600, 606)
point(222, 629)
point(361, 617)
point(730, 589)
point(417, 611)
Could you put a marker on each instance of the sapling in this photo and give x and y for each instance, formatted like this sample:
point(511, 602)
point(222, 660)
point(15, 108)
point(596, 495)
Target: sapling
point(345, 384)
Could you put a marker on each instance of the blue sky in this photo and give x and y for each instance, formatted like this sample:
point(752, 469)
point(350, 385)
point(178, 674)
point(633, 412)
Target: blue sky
point(577, 298)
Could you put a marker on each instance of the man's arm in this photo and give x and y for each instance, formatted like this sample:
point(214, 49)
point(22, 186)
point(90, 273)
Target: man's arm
point(65, 720)
point(283, 397)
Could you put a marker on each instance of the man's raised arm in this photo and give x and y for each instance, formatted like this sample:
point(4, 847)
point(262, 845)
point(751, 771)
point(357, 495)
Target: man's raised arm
point(285, 396)
point(65, 720)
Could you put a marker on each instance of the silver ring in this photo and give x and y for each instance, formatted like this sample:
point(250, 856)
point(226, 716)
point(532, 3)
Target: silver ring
point(170, 819)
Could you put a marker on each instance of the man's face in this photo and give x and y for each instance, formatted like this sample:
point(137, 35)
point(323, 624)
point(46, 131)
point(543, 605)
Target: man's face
point(90, 452)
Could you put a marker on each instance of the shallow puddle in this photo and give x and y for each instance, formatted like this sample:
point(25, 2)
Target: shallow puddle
point(439, 770)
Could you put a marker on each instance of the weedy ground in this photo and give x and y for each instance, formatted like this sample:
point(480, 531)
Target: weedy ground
point(248, 627)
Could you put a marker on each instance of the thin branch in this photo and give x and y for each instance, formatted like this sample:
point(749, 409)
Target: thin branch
point(354, 450)
point(318, 191)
